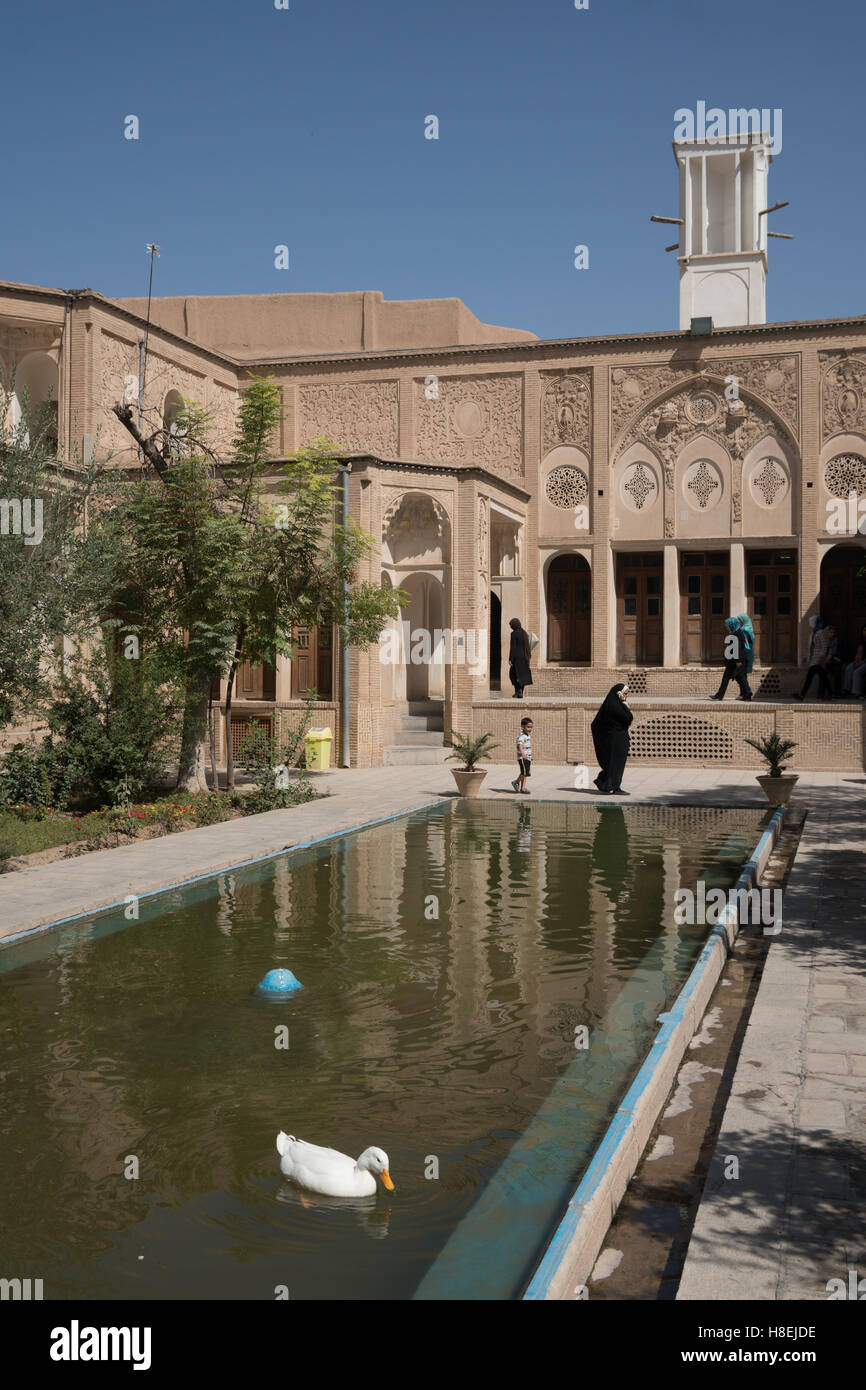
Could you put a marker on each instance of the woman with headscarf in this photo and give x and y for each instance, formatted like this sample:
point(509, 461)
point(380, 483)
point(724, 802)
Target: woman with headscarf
point(610, 739)
point(749, 637)
point(519, 653)
point(735, 661)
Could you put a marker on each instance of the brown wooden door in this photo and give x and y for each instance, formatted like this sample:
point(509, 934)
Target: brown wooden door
point(771, 586)
point(569, 593)
point(843, 595)
point(639, 625)
point(704, 589)
point(257, 682)
point(312, 661)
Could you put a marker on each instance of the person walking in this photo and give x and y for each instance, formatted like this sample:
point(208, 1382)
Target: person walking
point(524, 757)
point(519, 653)
point(736, 656)
point(821, 648)
point(611, 741)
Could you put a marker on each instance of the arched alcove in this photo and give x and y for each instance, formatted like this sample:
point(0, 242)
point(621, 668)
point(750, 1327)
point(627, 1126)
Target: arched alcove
point(569, 608)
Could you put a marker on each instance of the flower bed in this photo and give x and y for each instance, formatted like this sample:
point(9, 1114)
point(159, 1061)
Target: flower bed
point(26, 830)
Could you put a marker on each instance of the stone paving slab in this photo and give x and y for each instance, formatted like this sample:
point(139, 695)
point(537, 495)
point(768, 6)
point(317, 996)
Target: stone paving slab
point(795, 1217)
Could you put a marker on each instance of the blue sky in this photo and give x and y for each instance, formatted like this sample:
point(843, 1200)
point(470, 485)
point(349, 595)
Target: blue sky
point(305, 127)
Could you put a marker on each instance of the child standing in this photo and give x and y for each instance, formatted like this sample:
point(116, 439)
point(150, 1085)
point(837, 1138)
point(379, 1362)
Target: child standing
point(524, 757)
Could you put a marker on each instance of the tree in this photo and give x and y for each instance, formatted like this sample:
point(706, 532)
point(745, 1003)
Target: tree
point(42, 509)
point(216, 559)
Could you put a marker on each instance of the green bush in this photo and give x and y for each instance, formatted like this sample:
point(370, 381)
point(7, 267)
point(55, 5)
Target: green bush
point(27, 776)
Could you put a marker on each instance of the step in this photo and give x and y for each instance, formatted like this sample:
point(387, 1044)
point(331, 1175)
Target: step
point(418, 722)
point(418, 738)
point(422, 707)
point(397, 756)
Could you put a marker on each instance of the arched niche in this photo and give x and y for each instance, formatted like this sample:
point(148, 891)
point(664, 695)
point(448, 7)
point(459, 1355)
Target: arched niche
point(172, 409)
point(769, 488)
point(638, 495)
point(426, 637)
point(842, 596)
point(35, 396)
point(702, 489)
point(416, 531)
point(568, 608)
point(564, 486)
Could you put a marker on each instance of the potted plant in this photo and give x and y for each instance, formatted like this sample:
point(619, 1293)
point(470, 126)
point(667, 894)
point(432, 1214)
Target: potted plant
point(774, 750)
point(470, 751)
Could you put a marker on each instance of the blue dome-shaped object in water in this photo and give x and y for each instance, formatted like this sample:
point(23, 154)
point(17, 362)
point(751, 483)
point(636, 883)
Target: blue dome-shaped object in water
point(278, 983)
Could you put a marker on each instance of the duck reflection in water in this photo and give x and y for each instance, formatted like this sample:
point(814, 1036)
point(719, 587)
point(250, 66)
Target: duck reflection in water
point(369, 1214)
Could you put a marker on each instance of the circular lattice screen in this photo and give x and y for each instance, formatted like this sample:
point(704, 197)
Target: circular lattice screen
point(846, 473)
point(566, 486)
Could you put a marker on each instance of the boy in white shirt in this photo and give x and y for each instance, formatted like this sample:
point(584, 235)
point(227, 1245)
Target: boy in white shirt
point(524, 756)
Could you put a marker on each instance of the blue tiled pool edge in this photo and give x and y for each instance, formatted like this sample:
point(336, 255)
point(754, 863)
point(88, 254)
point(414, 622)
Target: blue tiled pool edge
point(574, 1246)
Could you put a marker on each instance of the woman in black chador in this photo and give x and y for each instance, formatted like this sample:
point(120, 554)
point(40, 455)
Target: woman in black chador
point(518, 658)
point(610, 739)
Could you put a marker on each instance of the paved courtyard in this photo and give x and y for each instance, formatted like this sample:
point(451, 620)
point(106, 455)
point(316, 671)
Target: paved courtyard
point(796, 1117)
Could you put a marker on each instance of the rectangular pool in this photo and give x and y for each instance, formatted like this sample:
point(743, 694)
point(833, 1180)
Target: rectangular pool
point(448, 960)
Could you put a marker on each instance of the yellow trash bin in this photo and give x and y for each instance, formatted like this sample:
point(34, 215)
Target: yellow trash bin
point(317, 743)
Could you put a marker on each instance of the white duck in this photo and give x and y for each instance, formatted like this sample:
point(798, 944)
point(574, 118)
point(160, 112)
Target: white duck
point(330, 1173)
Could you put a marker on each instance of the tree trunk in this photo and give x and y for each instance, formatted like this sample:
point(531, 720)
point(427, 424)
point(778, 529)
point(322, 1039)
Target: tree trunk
point(191, 775)
point(230, 752)
point(230, 685)
point(210, 726)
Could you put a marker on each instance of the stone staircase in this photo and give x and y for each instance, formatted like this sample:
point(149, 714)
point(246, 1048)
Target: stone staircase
point(419, 736)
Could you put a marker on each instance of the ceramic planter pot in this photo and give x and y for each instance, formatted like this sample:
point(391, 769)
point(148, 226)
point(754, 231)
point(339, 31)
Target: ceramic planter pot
point(468, 783)
point(779, 789)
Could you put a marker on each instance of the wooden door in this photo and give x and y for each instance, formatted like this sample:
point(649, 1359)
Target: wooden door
point(771, 586)
point(256, 682)
point(704, 590)
point(639, 580)
point(569, 593)
point(312, 661)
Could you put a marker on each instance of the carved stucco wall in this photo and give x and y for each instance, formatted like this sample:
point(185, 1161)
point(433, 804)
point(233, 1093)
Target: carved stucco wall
point(774, 379)
point(472, 420)
point(843, 394)
point(355, 415)
point(699, 408)
point(119, 361)
point(566, 410)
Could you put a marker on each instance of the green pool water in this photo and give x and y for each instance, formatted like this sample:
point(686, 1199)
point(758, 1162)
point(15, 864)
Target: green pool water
point(447, 959)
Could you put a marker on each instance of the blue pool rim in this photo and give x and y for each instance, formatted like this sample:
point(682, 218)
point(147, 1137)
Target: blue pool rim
point(616, 1134)
point(322, 839)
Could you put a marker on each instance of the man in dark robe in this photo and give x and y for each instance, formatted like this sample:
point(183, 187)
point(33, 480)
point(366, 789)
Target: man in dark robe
point(519, 650)
point(610, 739)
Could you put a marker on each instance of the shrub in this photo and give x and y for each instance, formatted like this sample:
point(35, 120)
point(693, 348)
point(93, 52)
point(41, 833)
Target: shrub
point(26, 776)
point(470, 751)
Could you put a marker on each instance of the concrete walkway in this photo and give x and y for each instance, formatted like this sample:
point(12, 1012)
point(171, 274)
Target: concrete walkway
point(792, 1216)
point(796, 1119)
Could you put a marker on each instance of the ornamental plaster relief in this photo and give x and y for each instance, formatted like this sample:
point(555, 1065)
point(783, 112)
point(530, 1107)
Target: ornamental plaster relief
point(472, 420)
point(843, 394)
point(775, 379)
point(671, 425)
point(354, 415)
point(566, 410)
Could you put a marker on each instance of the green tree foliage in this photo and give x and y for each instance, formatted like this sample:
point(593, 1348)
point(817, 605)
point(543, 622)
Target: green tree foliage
point(212, 561)
point(39, 604)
